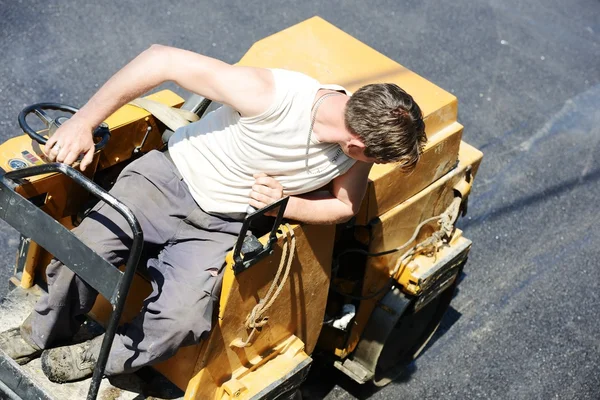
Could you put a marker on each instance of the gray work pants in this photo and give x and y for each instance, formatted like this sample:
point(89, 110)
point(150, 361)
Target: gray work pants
point(185, 270)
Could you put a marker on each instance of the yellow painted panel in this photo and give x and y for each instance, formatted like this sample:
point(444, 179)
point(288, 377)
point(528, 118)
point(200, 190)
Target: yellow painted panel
point(415, 275)
point(13, 149)
point(249, 381)
point(397, 225)
point(298, 311)
point(128, 127)
point(129, 113)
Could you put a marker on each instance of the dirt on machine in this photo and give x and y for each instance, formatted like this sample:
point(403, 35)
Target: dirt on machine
point(364, 297)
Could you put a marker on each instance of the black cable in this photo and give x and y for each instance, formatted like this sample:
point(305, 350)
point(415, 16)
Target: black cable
point(336, 264)
point(360, 251)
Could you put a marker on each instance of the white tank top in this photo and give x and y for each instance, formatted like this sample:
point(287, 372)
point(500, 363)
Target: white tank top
point(218, 155)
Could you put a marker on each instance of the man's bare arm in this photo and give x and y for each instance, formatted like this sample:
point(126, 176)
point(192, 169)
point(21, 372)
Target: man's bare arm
point(249, 90)
point(338, 205)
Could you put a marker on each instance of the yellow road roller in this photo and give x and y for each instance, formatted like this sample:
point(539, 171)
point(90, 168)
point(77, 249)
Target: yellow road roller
point(367, 294)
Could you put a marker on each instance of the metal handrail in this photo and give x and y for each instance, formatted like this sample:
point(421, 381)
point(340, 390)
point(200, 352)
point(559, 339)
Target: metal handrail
point(10, 180)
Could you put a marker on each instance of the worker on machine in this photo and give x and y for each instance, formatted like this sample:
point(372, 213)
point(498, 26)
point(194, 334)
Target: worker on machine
point(279, 133)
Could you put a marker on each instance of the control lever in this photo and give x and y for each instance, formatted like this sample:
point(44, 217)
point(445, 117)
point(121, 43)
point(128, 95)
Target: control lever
point(248, 249)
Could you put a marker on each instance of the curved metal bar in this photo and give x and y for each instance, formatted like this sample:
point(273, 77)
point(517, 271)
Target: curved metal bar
point(120, 295)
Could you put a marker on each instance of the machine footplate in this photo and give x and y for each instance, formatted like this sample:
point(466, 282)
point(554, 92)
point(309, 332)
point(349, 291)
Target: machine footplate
point(29, 382)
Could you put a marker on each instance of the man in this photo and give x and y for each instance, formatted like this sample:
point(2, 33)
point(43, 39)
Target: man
point(279, 133)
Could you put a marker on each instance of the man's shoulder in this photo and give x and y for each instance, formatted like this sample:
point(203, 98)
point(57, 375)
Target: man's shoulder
point(302, 80)
point(291, 77)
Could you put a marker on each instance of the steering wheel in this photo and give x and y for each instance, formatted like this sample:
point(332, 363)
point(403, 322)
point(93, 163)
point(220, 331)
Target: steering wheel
point(38, 109)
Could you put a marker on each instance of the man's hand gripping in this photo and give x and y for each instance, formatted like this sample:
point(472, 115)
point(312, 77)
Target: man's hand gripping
point(70, 140)
point(266, 190)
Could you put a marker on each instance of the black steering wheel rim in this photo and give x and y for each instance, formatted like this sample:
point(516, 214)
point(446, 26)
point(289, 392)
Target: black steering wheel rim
point(101, 131)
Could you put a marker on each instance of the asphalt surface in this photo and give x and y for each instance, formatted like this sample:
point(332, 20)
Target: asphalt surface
point(524, 324)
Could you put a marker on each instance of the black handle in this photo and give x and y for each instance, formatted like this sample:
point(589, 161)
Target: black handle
point(248, 250)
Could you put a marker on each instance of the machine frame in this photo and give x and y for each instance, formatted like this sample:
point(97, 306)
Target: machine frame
point(388, 288)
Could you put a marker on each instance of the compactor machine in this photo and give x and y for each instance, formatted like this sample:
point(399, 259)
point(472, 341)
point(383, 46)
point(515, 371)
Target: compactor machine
point(365, 296)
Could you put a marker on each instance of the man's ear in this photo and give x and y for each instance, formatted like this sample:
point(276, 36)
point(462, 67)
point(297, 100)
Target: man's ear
point(356, 148)
point(356, 143)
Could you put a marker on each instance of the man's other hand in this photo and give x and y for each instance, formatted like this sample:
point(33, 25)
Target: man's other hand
point(72, 139)
point(266, 190)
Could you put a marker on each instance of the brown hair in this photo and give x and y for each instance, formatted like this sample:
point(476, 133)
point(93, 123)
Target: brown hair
point(389, 122)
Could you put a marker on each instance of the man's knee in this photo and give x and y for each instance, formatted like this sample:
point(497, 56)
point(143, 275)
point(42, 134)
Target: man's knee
point(184, 320)
point(198, 322)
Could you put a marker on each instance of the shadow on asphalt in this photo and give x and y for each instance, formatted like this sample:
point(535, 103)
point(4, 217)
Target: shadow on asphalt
point(527, 201)
point(324, 377)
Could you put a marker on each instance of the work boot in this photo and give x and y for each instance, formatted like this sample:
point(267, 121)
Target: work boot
point(17, 347)
point(71, 363)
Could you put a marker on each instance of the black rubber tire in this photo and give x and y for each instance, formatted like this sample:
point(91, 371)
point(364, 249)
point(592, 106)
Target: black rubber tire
point(410, 336)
